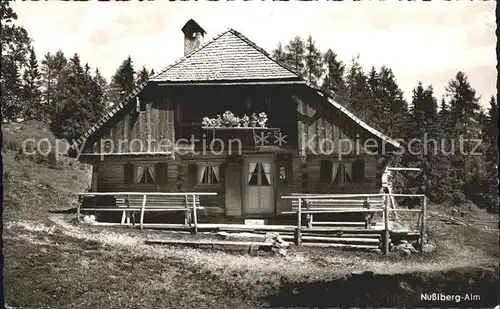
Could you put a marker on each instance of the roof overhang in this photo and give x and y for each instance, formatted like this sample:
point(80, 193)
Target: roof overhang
point(231, 82)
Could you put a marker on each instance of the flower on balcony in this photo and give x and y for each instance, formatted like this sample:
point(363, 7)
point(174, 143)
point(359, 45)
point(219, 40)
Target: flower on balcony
point(244, 121)
point(262, 119)
point(207, 122)
point(228, 119)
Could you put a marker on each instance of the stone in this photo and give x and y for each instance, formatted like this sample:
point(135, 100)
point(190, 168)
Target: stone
point(222, 235)
point(429, 247)
point(89, 219)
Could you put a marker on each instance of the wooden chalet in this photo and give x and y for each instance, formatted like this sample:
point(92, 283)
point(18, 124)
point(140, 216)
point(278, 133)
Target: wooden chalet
point(298, 150)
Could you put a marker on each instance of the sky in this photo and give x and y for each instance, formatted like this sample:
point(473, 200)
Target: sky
point(419, 41)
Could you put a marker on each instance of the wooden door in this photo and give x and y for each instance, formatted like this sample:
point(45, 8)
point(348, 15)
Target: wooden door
point(258, 186)
point(233, 189)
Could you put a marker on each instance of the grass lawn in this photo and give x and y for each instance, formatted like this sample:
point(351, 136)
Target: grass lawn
point(50, 262)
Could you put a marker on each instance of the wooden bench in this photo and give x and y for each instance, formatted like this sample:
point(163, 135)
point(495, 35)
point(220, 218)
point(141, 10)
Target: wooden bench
point(158, 203)
point(366, 205)
point(129, 204)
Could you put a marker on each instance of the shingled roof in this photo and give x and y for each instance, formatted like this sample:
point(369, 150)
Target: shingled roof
point(228, 57)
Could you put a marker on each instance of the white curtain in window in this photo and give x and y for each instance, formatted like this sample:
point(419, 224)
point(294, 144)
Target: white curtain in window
point(335, 168)
point(348, 171)
point(151, 170)
point(139, 171)
point(215, 170)
point(251, 169)
point(267, 171)
point(201, 172)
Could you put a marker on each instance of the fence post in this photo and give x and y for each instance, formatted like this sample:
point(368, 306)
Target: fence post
point(298, 240)
point(194, 215)
point(142, 210)
point(186, 214)
point(422, 232)
point(386, 226)
point(78, 210)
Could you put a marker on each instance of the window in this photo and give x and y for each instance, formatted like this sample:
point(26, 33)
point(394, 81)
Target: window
point(336, 173)
point(284, 171)
point(208, 174)
point(259, 174)
point(282, 174)
point(145, 174)
point(341, 173)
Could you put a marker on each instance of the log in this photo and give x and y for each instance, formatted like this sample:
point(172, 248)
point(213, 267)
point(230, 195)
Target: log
point(247, 245)
point(327, 245)
point(386, 228)
point(298, 241)
point(335, 239)
point(195, 216)
point(422, 232)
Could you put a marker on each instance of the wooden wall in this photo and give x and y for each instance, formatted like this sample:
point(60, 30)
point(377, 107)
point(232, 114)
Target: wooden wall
point(133, 130)
point(309, 115)
point(181, 177)
point(305, 178)
point(319, 122)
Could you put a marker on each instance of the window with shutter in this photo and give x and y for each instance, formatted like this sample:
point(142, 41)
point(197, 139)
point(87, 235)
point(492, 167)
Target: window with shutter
point(161, 173)
point(358, 171)
point(128, 170)
point(325, 171)
point(305, 182)
point(192, 173)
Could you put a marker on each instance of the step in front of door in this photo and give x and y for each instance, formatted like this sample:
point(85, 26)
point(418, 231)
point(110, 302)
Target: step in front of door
point(255, 221)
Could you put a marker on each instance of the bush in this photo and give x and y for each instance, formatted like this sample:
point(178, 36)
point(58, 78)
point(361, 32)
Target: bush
point(52, 160)
point(6, 175)
point(457, 197)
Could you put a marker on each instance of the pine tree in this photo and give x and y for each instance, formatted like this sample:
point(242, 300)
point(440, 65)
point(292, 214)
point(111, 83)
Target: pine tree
point(15, 44)
point(294, 55)
point(76, 108)
point(96, 86)
point(357, 94)
point(377, 110)
point(444, 116)
point(278, 54)
point(467, 170)
point(54, 74)
point(490, 142)
point(463, 104)
point(434, 178)
point(122, 83)
point(142, 76)
point(313, 69)
point(334, 79)
point(100, 89)
point(394, 112)
point(491, 124)
point(31, 90)
point(11, 91)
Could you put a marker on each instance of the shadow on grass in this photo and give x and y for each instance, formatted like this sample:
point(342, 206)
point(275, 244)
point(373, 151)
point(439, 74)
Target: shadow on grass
point(64, 211)
point(401, 290)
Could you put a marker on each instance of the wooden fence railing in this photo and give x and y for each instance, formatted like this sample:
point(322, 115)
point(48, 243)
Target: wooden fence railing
point(149, 201)
point(330, 206)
